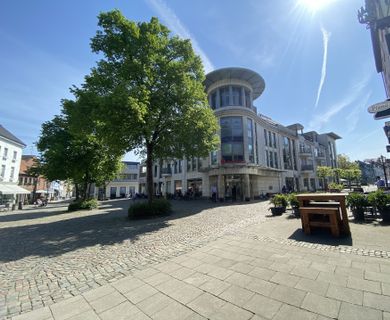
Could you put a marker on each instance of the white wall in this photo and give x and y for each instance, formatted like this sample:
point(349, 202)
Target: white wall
point(9, 162)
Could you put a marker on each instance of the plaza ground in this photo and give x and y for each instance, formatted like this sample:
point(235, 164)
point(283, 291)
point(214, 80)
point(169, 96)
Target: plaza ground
point(230, 261)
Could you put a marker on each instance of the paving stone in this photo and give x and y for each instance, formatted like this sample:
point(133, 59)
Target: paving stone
point(345, 294)
point(231, 312)
point(350, 272)
point(220, 273)
point(384, 268)
point(197, 279)
point(206, 304)
point(157, 279)
point(127, 284)
point(317, 287)
point(39, 314)
point(353, 312)
point(239, 279)
point(155, 303)
point(385, 288)
point(175, 311)
point(215, 286)
point(323, 267)
point(124, 311)
point(236, 295)
point(145, 273)
point(337, 279)
point(186, 293)
point(182, 273)
point(261, 286)
point(288, 295)
point(168, 267)
point(386, 315)
point(318, 304)
point(366, 285)
point(242, 267)
point(141, 293)
point(263, 263)
point(304, 272)
point(262, 273)
point(69, 308)
point(286, 279)
point(98, 292)
point(293, 313)
point(377, 276)
point(89, 315)
point(376, 301)
point(169, 286)
point(107, 302)
point(366, 266)
point(263, 306)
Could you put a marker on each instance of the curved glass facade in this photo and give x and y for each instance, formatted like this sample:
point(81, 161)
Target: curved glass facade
point(232, 139)
point(233, 95)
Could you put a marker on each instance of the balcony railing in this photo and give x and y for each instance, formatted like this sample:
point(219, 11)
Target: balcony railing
point(142, 175)
point(321, 155)
point(307, 167)
point(304, 150)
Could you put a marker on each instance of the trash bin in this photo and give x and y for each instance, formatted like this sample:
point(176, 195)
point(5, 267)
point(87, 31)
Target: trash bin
point(20, 205)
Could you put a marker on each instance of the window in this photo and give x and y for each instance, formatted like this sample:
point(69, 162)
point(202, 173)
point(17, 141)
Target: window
point(193, 164)
point(14, 157)
point(232, 146)
point(224, 95)
point(265, 137)
point(155, 171)
point(271, 159)
point(274, 137)
point(2, 171)
point(236, 96)
point(267, 157)
point(251, 152)
point(214, 158)
point(276, 159)
point(269, 139)
point(199, 163)
point(5, 153)
point(180, 166)
point(213, 100)
point(188, 165)
point(247, 99)
point(287, 156)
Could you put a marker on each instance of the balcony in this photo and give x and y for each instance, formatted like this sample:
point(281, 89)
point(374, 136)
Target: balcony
point(166, 172)
point(305, 152)
point(142, 175)
point(307, 167)
point(320, 155)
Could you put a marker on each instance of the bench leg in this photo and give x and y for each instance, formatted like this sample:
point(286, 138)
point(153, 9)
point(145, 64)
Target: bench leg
point(334, 225)
point(305, 223)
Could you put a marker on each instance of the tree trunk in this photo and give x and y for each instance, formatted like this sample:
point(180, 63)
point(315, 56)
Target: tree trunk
point(76, 185)
point(149, 172)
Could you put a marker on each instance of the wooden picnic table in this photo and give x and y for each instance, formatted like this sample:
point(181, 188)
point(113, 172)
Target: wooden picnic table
point(307, 200)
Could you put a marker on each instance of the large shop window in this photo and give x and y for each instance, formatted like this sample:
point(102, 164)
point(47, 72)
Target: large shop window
point(224, 94)
point(232, 140)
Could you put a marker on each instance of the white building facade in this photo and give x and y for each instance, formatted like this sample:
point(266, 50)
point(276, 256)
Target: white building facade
point(10, 157)
point(256, 156)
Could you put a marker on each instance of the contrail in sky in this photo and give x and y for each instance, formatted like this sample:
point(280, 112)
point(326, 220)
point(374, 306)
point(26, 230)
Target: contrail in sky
point(174, 23)
point(325, 40)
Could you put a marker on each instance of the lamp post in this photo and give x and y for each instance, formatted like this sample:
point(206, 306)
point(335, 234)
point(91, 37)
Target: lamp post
point(383, 163)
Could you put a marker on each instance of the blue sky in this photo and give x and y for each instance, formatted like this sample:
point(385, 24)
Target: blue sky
point(318, 66)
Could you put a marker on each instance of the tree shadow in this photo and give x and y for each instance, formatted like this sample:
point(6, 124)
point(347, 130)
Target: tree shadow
point(103, 227)
point(321, 236)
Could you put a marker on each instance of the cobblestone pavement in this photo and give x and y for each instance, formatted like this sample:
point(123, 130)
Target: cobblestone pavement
point(48, 255)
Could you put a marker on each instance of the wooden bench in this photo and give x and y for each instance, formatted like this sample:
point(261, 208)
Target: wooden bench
point(328, 217)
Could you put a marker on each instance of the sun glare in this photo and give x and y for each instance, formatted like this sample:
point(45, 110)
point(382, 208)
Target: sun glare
point(315, 5)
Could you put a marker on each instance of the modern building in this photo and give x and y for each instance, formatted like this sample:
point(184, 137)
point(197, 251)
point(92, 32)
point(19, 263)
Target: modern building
point(257, 155)
point(124, 185)
point(10, 158)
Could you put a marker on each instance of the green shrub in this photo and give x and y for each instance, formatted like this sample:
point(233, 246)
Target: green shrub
point(336, 186)
point(279, 200)
point(378, 199)
point(293, 200)
point(356, 200)
point(83, 205)
point(145, 210)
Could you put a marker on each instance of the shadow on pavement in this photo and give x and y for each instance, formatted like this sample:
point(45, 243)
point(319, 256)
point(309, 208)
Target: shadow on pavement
point(101, 227)
point(321, 236)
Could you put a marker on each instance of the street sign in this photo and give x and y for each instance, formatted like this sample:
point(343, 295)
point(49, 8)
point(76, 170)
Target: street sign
point(377, 107)
point(388, 148)
point(387, 123)
point(387, 132)
point(382, 114)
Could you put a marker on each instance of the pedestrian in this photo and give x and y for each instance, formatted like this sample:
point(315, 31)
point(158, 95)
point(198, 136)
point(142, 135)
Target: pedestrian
point(380, 183)
point(214, 193)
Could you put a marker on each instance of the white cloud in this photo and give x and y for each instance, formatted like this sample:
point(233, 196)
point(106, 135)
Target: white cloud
point(176, 26)
point(355, 92)
point(325, 40)
point(353, 117)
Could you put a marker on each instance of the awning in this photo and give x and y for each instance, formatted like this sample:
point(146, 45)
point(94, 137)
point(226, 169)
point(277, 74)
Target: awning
point(12, 189)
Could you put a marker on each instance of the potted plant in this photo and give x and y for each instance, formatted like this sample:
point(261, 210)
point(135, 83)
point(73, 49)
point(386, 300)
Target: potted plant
point(294, 203)
point(280, 203)
point(358, 203)
point(335, 187)
point(380, 201)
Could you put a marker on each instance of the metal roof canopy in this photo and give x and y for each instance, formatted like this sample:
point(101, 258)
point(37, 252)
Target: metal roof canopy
point(254, 79)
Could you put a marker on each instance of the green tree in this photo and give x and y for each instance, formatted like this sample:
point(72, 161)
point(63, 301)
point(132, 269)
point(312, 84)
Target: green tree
point(79, 156)
point(324, 172)
point(147, 93)
point(347, 169)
